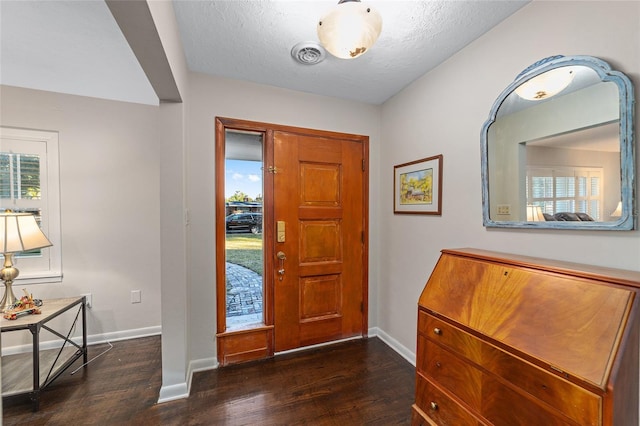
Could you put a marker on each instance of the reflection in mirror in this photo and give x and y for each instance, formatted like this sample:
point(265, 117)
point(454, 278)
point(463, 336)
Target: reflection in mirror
point(557, 150)
point(243, 236)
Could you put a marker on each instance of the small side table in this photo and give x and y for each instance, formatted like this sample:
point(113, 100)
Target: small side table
point(51, 309)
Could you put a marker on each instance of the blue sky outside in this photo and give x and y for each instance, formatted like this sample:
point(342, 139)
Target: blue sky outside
point(244, 176)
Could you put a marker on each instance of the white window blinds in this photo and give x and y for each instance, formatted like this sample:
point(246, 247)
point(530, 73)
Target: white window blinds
point(566, 189)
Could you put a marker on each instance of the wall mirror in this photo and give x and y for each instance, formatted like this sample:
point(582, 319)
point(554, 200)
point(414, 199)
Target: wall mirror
point(558, 148)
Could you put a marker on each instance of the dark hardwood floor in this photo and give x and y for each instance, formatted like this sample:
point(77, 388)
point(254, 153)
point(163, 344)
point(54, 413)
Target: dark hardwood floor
point(360, 382)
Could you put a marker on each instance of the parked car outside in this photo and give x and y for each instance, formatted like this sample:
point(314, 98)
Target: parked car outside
point(249, 222)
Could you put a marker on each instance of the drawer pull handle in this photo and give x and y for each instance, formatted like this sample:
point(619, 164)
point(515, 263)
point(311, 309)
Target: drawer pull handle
point(434, 405)
point(437, 331)
point(438, 364)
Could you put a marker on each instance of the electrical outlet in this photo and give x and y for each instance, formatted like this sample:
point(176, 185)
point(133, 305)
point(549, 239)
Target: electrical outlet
point(89, 299)
point(136, 296)
point(504, 209)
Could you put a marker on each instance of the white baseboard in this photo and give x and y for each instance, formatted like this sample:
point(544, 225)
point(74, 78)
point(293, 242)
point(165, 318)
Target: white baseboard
point(173, 392)
point(93, 339)
point(182, 390)
point(204, 364)
point(402, 350)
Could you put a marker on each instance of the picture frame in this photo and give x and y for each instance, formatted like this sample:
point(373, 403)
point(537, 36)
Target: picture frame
point(417, 187)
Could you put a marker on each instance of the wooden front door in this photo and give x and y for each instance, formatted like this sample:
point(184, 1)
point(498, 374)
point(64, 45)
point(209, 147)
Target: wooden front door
point(319, 256)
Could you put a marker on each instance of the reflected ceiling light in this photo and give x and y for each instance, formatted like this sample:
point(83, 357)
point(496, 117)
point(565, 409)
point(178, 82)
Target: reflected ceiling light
point(618, 211)
point(349, 29)
point(547, 84)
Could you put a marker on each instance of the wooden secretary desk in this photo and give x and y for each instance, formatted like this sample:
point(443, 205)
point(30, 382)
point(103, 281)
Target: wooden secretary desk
point(514, 340)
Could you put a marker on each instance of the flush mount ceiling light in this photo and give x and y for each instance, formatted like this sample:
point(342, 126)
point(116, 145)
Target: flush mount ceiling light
point(349, 29)
point(546, 84)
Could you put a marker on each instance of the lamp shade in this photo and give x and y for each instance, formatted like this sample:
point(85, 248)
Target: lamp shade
point(349, 29)
point(20, 232)
point(547, 84)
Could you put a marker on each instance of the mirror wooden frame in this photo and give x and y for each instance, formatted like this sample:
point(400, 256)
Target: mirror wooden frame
point(627, 142)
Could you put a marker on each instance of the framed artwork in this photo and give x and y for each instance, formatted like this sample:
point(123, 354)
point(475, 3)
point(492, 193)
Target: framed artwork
point(417, 187)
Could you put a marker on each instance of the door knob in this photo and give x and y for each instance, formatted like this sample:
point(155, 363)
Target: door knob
point(281, 257)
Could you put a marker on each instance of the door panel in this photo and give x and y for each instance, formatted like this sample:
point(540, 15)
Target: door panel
point(315, 183)
point(319, 194)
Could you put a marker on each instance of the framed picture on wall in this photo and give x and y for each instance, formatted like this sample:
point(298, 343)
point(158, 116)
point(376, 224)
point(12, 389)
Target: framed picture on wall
point(417, 187)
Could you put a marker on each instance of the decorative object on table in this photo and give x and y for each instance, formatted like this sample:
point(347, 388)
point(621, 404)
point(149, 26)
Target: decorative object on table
point(417, 186)
point(18, 232)
point(349, 29)
point(26, 305)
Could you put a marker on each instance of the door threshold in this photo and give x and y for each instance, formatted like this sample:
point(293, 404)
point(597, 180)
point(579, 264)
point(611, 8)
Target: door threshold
point(318, 345)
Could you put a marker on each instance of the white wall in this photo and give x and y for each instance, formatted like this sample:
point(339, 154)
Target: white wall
point(109, 168)
point(443, 112)
point(176, 332)
point(210, 97)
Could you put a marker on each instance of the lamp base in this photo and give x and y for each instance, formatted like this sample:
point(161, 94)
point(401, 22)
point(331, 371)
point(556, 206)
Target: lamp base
point(9, 299)
point(7, 274)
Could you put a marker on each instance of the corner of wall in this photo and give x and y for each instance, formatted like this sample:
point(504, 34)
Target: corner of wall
point(402, 350)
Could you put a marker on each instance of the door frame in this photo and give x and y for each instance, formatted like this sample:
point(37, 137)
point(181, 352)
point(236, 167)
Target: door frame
point(257, 341)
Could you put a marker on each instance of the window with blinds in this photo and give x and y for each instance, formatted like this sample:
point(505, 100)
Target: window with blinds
point(29, 182)
point(20, 182)
point(572, 189)
point(19, 176)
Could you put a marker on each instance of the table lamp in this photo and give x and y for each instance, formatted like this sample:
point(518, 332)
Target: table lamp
point(18, 232)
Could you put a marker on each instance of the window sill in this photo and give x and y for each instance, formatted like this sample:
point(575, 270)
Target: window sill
point(28, 279)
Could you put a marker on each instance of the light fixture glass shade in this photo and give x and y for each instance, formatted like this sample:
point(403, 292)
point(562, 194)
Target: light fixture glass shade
point(534, 214)
point(349, 29)
point(20, 232)
point(547, 84)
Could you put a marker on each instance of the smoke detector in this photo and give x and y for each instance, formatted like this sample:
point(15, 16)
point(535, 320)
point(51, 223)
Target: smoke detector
point(308, 53)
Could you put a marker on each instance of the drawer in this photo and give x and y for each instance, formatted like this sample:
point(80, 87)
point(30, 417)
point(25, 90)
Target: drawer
point(502, 406)
point(447, 335)
point(450, 372)
point(419, 418)
point(577, 403)
point(439, 407)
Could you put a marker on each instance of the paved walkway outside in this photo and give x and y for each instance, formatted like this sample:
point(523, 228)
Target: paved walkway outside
point(244, 295)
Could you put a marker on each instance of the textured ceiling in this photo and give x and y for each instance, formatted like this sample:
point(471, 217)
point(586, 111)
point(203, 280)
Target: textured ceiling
point(76, 46)
point(252, 40)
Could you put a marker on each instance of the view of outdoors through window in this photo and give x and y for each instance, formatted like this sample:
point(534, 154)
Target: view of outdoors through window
point(20, 185)
point(244, 246)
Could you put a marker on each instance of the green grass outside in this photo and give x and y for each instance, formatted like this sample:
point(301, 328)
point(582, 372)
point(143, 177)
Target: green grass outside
point(245, 250)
